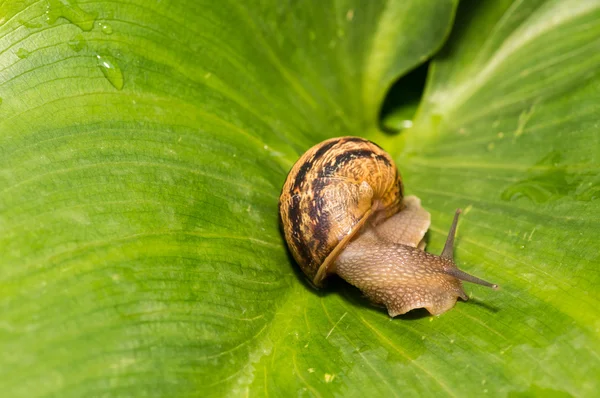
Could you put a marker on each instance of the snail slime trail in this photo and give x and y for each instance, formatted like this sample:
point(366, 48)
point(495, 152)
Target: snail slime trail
point(343, 211)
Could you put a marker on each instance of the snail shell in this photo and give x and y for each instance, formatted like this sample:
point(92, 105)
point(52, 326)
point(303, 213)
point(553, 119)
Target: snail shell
point(330, 193)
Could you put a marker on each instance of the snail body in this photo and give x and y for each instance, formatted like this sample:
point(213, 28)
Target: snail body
point(343, 211)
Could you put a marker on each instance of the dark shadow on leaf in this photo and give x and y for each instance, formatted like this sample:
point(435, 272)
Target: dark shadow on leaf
point(414, 315)
point(483, 304)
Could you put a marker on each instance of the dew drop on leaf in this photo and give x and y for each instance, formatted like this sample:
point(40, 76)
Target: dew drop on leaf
point(70, 11)
point(111, 70)
point(106, 28)
point(22, 53)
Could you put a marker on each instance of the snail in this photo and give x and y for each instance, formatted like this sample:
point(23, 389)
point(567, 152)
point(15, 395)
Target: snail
point(343, 212)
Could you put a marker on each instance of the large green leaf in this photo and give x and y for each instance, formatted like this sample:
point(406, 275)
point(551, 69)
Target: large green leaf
point(143, 146)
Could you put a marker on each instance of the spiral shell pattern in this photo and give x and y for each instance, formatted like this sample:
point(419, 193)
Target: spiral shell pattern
point(332, 191)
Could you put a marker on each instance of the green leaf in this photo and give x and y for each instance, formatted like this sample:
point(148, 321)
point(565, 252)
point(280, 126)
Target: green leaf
point(143, 146)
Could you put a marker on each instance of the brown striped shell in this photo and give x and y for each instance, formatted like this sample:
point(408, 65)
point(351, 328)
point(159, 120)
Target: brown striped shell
point(333, 190)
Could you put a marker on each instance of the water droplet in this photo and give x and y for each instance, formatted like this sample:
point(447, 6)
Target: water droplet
point(106, 28)
point(77, 43)
point(111, 70)
point(312, 35)
point(490, 146)
point(22, 53)
point(70, 11)
point(340, 33)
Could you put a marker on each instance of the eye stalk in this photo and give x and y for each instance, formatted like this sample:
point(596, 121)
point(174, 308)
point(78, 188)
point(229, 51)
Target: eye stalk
point(448, 254)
